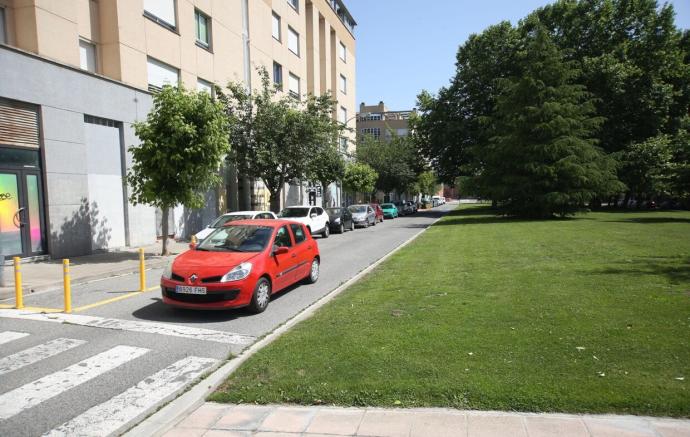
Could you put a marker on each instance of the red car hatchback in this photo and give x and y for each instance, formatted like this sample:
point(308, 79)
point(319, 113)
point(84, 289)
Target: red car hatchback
point(378, 211)
point(240, 265)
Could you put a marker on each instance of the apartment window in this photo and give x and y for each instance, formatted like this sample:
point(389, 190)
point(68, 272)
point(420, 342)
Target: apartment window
point(294, 86)
point(294, 4)
point(343, 144)
point(161, 11)
point(343, 52)
point(373, 131)
point(203, 29)
point(160, 74)
point(276, 26)
point(204, 86)
point(3, 33)
point(343, 115)
point(343, 84)
point(87, 56)
point(278, 75)
point(293, 41)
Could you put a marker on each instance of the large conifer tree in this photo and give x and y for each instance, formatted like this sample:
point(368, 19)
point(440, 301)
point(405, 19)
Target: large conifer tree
point(543, 160)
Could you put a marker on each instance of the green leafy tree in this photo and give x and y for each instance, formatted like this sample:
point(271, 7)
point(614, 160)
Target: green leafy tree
point(679, 183)
point(275, 136)
point(359, 178)
point(326, 166)
point(646, 168)
point(450, 128)
point(396, 161)
point(631, 59)
point(427, 183)
point(542, 160)
point(183, 141)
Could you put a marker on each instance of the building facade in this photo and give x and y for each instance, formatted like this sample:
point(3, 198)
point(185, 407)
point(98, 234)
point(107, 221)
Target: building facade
point(380, 123)
point(76, 74)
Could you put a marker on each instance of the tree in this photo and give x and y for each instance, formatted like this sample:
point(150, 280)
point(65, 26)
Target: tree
point(275, 136)
point(427, 183)
point(395, 161)
point(183, 141)
point(326, 166)
point(542, 159)
point(359, 178)
point(646, 168)
point(630, 55)
point(450, 129)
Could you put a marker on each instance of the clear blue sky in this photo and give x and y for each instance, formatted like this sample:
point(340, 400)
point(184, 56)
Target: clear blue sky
point(404, 46)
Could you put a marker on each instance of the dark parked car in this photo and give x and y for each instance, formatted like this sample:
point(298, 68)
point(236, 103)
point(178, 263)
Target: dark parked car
point(409, 207)
point(401, 208)
point(340, 219)
point(378, 211)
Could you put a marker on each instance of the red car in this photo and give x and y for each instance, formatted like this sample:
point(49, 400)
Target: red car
point(240, 265)
point(378, 211)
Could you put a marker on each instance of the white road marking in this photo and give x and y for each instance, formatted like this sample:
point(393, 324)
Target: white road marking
point(37, 353)
point(112, 416)
point(8, 336)
point(133, 325)
point(29, 395)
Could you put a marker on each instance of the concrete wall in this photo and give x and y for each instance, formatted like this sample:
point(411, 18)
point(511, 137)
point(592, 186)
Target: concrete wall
point(64, 95)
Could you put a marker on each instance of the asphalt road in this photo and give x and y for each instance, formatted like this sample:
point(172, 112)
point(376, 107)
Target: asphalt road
point(98, 370)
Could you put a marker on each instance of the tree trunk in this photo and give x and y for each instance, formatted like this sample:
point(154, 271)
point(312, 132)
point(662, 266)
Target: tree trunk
point(626, 199)
point(164, 226)
point(326, 194)
point(274, 200)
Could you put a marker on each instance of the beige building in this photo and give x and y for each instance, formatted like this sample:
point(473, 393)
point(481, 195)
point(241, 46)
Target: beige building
point(75, 75)
point(380, 123)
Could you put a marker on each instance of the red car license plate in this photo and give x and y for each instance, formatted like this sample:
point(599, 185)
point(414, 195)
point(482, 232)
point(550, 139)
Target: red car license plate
point(186, 289)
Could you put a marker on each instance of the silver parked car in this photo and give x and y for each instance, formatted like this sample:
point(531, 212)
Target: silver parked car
point(363, 215)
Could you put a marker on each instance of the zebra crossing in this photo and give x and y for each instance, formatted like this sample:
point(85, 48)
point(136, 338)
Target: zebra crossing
point(108, 418)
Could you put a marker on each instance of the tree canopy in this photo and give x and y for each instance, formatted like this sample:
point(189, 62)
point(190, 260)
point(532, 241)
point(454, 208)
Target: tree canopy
point(277, 137)
point(626, 55)
point(183, 140)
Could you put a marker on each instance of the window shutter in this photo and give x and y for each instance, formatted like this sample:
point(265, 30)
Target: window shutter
point(18, 125)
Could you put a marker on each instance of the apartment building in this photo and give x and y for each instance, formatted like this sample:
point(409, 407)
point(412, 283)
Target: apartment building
point(75, 75)
point(381, 123)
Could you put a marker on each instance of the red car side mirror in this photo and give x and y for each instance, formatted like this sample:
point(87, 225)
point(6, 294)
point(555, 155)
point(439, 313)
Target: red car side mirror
point(192, 246)
point(280, 250)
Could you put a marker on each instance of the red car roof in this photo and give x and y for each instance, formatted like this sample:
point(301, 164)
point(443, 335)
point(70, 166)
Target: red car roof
point(274, 223)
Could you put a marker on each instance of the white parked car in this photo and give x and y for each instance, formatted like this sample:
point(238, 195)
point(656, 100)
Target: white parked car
point(314, 217)
point(232, 216)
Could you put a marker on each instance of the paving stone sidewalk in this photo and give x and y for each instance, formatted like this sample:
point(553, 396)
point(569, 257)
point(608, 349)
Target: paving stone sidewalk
point(46, 275)
point(212, 419)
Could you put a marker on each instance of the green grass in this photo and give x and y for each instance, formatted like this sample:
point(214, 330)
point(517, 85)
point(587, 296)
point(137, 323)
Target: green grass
point(589, 314)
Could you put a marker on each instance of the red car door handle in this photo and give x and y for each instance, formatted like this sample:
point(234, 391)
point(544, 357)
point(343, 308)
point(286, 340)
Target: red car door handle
point(294, 255)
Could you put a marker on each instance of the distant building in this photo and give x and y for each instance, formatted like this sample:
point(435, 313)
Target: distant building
point(379, 122)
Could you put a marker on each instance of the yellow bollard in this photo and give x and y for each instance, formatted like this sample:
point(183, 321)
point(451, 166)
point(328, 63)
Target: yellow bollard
point(18, 293)
point(68, 289)
point(142, 271)
point(193, 240)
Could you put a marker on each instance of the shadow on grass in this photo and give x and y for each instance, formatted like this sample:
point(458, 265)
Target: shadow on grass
point(675, 268)
point(489, 215)
point(652, 220)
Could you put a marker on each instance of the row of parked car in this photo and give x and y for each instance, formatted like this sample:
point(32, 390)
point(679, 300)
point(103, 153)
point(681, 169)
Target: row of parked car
point(322, 221)
point(243, 258)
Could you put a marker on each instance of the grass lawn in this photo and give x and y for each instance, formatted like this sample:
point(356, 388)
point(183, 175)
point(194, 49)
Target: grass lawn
point(589, 314)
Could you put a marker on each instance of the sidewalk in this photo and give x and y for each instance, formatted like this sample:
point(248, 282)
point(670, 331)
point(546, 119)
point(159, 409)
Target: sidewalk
point(47, 275)
point(212, 419)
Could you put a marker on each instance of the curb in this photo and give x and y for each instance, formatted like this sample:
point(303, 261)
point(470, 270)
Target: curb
point(171, 414)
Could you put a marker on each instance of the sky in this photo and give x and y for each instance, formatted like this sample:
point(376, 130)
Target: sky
point(404, 46)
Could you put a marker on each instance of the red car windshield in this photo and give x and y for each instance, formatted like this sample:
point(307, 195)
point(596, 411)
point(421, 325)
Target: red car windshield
point(237, 238)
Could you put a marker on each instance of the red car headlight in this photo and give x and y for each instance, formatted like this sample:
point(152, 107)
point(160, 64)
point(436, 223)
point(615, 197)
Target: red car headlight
point(238, 273)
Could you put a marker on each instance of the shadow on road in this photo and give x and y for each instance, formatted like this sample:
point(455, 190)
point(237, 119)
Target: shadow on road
point(157, 311)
